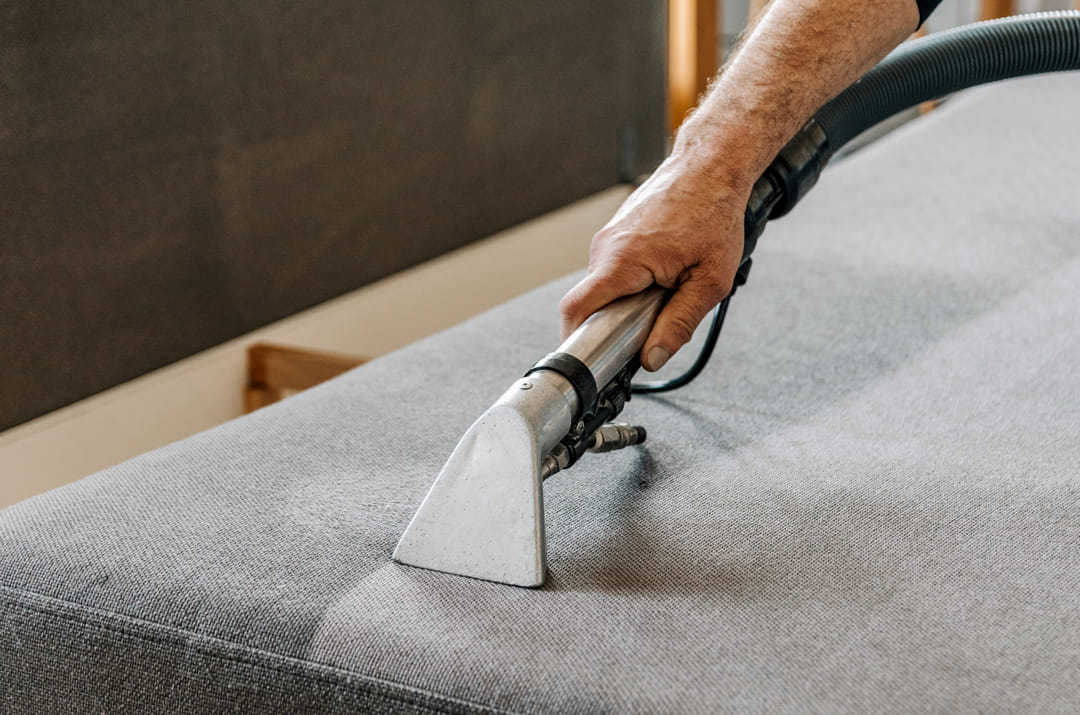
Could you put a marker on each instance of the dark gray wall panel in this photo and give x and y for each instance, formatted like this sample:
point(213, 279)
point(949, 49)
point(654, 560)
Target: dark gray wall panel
point(174, 176)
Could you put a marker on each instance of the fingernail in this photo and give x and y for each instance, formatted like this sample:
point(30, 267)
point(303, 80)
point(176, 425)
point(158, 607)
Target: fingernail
point(656, 357)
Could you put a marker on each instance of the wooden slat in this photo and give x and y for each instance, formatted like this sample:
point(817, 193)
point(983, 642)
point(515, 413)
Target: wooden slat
point(274, 371)
point(707, 34)
point(257, 397)
point(993, 9)
point(693, 33)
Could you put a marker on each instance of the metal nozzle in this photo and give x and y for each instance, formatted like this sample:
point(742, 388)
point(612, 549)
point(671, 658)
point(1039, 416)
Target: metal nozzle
point(484, 515)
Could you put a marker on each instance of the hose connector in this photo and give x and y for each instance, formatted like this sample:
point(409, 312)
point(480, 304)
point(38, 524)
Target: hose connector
point(798, 165)
point(789, 177)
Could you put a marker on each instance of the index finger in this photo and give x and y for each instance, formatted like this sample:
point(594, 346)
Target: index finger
point(592, 293)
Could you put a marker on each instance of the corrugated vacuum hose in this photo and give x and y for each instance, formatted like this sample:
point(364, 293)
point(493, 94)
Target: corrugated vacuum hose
point(918, 71)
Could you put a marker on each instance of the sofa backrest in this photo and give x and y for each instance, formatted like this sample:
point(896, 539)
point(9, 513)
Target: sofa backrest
point(174, 177)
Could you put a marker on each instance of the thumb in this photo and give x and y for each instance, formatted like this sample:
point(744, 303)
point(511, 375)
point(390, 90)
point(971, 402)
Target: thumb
point(676, 323)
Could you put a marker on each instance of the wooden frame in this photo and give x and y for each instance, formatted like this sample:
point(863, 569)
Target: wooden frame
point(277, 371)
point(993, 9)
point(693, 36)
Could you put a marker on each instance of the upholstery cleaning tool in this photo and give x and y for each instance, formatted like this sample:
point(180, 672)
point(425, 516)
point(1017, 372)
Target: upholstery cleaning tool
point(484, 516)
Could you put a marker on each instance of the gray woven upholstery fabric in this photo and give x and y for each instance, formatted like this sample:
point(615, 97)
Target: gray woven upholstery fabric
point(870, 501)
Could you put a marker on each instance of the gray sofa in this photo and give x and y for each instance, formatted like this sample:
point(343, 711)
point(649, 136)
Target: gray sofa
point(870, 501)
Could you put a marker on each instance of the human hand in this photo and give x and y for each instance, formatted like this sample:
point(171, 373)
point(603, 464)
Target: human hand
point(682, 229)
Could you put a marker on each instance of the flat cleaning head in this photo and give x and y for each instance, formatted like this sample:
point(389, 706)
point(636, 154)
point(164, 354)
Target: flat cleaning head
point(484, 516)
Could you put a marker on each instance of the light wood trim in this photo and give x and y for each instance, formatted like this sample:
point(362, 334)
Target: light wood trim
point(993, 9)
point(258, 397)
point(275, 371)
point(693, 32)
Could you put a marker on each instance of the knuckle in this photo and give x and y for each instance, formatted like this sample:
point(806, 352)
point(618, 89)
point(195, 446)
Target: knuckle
point(610, 243)
point(567, 309)
point(625, 278)
point(571, 302)
point(625, 254)
point(632, 256)
point(681, 327)
point(716, 283)
point(669, 272)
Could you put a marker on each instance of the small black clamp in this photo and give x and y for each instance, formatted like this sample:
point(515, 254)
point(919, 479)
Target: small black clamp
point(577, 372)
point(742, 274)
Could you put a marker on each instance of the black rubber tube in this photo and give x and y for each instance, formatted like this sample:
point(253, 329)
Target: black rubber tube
point(918, 71)
point(946, 62)
point(643, 388)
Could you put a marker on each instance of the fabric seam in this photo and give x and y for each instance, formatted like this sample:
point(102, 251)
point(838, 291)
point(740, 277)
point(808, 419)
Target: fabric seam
point(255, 657)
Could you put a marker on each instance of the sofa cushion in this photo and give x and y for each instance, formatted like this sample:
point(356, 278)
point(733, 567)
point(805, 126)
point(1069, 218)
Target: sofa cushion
point(870, 500)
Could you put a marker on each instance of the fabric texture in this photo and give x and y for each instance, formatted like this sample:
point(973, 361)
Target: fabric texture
point(869, 501)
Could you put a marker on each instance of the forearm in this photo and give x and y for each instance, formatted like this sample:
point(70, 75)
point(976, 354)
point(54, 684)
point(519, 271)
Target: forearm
point(683, 229)
point(800, 54)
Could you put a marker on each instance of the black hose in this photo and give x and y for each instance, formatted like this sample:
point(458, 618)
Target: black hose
point(920, 70)
point(945, 62)
point(639, 388)
point(916, 72)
